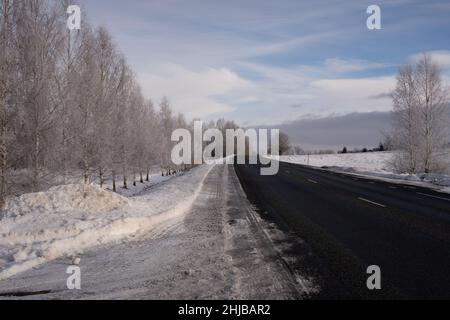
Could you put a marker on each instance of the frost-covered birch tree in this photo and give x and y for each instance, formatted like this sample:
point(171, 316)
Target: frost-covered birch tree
point(5, 92)
point(38, 40)
point(406, 121)
point(434, 115)
point(420, 118)
point(71, 108)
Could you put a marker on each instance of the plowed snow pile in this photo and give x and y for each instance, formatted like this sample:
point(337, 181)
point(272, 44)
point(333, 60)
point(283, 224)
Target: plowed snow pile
point(66, 220)
point(65, 198)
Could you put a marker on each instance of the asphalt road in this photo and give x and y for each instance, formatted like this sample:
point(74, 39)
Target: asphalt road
point(350, 223)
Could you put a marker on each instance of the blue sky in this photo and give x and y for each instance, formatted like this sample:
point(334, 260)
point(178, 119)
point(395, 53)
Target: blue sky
point(267, 62)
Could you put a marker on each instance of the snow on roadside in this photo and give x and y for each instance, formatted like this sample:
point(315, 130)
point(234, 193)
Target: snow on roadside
point(64, 198)
point(142, 187)
point(66, 220)
point(372, 164)
point(368, 161)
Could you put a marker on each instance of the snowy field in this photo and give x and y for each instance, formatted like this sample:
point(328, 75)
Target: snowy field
point(39, 227)
point(361, 162)
point(373, 164)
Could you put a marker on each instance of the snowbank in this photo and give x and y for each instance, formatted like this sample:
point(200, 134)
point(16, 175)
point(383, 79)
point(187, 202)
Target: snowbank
point(65, 198)
point(67, 220)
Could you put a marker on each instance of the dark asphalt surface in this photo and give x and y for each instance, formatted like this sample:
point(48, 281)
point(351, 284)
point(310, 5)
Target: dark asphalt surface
point(350, 223)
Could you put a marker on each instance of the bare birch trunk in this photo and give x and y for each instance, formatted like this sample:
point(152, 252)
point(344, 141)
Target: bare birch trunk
point(114, 181)
point(3, 93)
point(37, 146)
point(100, 174)
point(85, 163)
point(64, 156)
point(125, 184)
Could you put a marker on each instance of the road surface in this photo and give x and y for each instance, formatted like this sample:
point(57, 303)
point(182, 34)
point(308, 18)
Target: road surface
point(350, 223)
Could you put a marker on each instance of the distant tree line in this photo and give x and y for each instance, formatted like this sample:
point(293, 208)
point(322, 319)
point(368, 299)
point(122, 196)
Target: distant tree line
point(297, 150)
point(380, 148)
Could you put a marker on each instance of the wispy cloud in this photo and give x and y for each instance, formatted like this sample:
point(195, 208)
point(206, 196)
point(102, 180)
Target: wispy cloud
point(344, 66)
point(195, 93)
point(442, 57)
point(268, 62)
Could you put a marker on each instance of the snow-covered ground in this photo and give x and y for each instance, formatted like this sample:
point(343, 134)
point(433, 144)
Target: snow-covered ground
point(374, 164)
point(20, 181)
point(66, 220)
point(369, 161)
point(193, 237)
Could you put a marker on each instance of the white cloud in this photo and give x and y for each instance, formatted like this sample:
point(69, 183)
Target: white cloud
point(315, 91)
point(355, 95)
point(198, 49)
point(341, 65)
point(268, 98)
point(194, 93)
point(441, 57)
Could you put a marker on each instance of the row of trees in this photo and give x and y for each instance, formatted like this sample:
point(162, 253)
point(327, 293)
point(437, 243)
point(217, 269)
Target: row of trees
point(421, 118)
point(71, 106)
point(380, 148)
